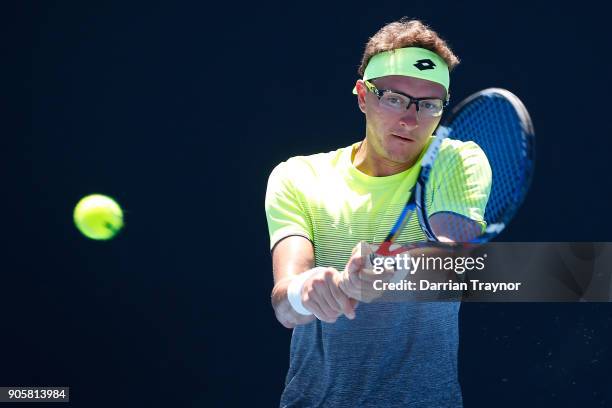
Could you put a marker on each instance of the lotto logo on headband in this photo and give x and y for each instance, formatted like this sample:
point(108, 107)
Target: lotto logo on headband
point(424, 64)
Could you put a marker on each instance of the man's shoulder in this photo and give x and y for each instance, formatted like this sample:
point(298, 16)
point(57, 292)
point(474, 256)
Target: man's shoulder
point(313, 164)
point(460, 151)
point(458, 145)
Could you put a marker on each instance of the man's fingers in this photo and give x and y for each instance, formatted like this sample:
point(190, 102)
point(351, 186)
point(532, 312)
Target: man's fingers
point(327, 290)
point(319, 295)
point(359, 256)
point(355, 264)
point(327, 300)
point(371, 276)
point(354, 281)
point(342, 300)
point(359, 276)
point(346, 286)
point(319, 310)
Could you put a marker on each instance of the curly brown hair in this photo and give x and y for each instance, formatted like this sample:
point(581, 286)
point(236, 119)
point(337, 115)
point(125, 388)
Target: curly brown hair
point(407, 33)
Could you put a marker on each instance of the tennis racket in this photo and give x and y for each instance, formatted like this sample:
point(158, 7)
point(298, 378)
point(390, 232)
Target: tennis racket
point(482, 156)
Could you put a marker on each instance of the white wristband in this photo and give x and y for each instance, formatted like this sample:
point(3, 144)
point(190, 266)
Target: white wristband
point(294, 291)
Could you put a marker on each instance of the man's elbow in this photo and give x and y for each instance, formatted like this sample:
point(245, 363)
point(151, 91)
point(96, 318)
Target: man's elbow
point(286, 323)
point(281, 315)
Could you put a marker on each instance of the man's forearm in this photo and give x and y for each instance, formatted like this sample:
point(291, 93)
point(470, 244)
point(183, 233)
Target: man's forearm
point(283, 310)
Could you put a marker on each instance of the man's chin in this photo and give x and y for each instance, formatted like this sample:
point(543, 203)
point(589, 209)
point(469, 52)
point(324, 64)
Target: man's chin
point(404, 151)
point(402, 159)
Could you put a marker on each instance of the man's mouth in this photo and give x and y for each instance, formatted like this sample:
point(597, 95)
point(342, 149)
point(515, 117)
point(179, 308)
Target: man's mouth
point(403, 138)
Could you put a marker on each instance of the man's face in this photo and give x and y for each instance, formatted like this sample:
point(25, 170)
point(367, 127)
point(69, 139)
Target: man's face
point(397, 138)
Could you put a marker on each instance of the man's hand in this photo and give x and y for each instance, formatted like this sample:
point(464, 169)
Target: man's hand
point(321, 294)
point(358, 275)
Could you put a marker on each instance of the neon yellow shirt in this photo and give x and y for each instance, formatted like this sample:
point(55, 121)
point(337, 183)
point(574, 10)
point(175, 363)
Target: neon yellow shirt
point(409, 347)
point(325, 198)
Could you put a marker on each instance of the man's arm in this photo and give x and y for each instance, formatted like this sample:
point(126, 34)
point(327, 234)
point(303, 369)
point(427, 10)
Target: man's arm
point(320, 293)
point(450, 227)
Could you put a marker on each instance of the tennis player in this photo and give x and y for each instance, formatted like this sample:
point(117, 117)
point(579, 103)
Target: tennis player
point(320, 207)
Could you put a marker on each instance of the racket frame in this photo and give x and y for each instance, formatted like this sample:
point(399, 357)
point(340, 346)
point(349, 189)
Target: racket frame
point(417, 203)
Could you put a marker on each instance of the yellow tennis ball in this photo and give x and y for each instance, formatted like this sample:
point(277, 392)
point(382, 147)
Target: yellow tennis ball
point(98, 217)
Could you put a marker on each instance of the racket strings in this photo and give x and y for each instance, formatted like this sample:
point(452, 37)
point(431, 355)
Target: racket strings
point(483, 166)
point(497, 135)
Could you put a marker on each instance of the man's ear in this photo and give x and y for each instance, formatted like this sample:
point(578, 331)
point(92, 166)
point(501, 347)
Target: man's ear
point(361, 93)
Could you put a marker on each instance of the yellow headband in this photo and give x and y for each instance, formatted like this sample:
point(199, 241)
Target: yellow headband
point(412, 61)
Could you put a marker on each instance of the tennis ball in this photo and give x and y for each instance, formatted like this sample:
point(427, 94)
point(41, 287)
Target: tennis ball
point(98, 217)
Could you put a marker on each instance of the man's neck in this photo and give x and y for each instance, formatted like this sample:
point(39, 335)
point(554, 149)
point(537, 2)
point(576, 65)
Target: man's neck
point(367, 161)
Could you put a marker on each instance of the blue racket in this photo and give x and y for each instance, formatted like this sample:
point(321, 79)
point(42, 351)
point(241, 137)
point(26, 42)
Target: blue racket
point(493, 127)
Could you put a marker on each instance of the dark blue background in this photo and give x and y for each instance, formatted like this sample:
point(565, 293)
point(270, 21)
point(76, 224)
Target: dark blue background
point(180, 111)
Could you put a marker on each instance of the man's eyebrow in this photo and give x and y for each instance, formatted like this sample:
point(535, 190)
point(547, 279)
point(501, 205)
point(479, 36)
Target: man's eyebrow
point(413, 97)
point(383, 88)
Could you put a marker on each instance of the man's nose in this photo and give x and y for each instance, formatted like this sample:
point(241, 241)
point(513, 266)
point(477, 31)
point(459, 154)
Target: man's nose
point(409, 118)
